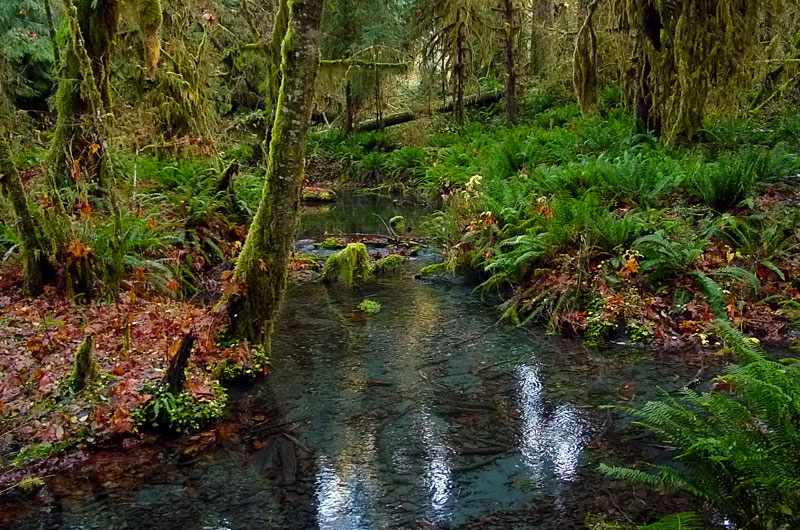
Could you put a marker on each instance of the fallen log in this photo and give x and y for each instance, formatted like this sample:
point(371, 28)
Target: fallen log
point(407, 116)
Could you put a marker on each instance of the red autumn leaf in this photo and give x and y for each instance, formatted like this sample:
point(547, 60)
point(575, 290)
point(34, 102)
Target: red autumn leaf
point(78, 250)
point(76, 170)
point(731, 308)
point(199, 389)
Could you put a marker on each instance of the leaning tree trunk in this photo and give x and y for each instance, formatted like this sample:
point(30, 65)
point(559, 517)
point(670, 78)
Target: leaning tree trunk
point(261, 269)
point(35, 255)
point(509, 33)
point(84, 93)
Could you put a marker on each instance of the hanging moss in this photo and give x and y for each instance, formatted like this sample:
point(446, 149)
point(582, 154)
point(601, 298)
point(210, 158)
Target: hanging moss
point(85, 367)
point(150, 20)
point(682, 51)
point(350, 266)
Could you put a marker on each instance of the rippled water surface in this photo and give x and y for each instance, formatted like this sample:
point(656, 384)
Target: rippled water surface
point(426, 415)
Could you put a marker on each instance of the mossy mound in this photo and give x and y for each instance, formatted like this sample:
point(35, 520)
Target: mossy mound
point(85, 367)
point(390, 264)
point(350, 266)
point(318, 195)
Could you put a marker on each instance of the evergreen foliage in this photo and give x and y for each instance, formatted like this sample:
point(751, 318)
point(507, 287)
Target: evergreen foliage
point(736, 444)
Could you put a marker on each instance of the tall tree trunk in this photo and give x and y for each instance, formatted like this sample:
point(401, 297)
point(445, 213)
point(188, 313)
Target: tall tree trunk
point(459, 71)
point(261, 269)
point(150, 20)
point(51, 27)
point(84, 94)
point(584, 62)
point(35, 255)
point(279, 28)
point(509, 33)
point(540, 42)
point(348, 108)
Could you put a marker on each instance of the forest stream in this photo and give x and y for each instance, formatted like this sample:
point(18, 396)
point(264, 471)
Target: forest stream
point(428, 414)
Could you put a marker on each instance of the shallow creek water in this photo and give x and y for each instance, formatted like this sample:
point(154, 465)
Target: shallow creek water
point(429, 414)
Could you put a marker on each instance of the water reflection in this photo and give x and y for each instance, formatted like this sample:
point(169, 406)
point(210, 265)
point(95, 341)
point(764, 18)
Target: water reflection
point(438, 472)
point(551, 443)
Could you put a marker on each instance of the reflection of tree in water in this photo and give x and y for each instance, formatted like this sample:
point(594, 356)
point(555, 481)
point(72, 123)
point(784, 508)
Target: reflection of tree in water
point(551, 442)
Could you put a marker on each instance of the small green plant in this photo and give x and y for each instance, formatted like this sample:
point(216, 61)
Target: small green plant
point(30, 485)
point(232, 372)
point(370, 307)
point(179, 413)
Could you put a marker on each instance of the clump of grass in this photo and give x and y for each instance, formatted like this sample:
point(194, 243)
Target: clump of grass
point(370, 307)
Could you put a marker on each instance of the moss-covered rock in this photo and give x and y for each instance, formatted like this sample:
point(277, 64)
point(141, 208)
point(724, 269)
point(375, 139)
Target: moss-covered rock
point(388, 265)
point(350, 266)
point(318, 195)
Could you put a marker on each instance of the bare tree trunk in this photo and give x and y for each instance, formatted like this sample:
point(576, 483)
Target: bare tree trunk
point(261, 269)
point(540, 43)
point(510, 28)
point(48, 9)
point(35, 255)
point(459, 71)
point(584, 63)
point(348, 108)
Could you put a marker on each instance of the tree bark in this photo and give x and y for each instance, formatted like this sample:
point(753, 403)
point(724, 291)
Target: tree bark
point(511, 75)
point(540, 42)
point(51, 28)
point(279, 28)
point(459, 71)
point(84, 94)
point(36, 262)
point(261, 269)
point(584, 61)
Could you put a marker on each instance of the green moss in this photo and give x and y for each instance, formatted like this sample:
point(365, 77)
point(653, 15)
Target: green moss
point(318, 195)
point(331, 242)
point(389, 264)
point(398, 224)
point(433, 270)
point(30, 485)
point(85, 367)
point(370, 307)
point(350, 266)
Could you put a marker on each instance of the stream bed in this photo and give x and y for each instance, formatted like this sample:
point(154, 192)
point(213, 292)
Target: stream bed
point(429, 414)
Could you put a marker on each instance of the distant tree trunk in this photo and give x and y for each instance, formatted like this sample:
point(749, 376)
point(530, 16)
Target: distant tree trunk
point(261, 269)
point(540, 45)
point(460, 73)
point(35, 254)
point(348, 108)
point(510, 29)
point(51, 27)
point(584, 73)
point(84, 94)
point(150, 20)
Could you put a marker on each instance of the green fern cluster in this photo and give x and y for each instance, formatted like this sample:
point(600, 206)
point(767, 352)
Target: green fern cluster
point(737, 445)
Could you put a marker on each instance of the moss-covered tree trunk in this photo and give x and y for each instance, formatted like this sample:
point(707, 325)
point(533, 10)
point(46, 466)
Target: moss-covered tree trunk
point(274, 74)
point(509, 35)
point(84, 93)
point(151, 18)
point(261, 269)
point(584, 64)
point(35, 254)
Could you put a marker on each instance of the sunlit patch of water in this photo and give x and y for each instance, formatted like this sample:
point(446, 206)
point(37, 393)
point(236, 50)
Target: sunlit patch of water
point(438, 471)
point(551, 442)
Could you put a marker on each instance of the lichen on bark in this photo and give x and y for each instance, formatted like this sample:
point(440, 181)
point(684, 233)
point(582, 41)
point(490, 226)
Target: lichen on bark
point(261, 268)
